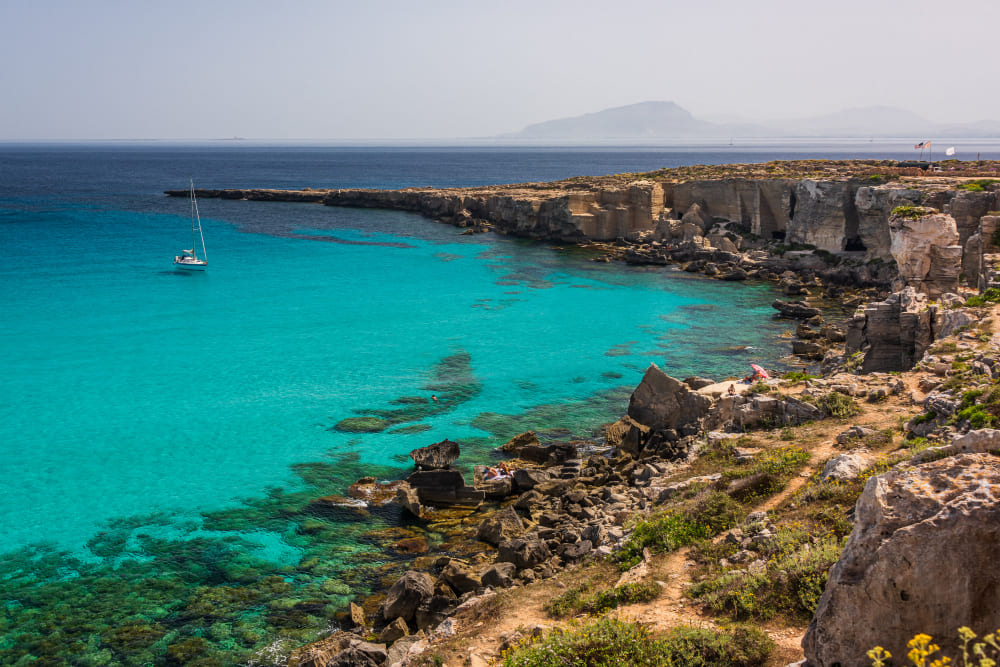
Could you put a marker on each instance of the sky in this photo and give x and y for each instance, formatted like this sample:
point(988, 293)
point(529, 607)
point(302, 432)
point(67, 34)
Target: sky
point(442, 69)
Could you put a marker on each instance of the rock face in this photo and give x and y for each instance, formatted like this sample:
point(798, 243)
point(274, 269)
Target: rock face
point(825, 215)
point(895, 333)
point(921, 558)
point(874, 204)
point(661, 402)
point(927, 251)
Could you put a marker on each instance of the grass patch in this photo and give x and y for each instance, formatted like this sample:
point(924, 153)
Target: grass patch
point(579, 599)
point(837, 405)
point(911, 212)
point(990, 295)
point(608, 641)
point(673, 529)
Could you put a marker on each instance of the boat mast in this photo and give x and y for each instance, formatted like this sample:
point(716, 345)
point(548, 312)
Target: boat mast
point(196, 218)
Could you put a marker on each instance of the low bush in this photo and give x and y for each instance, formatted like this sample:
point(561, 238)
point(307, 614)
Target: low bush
point(608, 641)
point(662, 532)
point(790, 583)
point(673, 529)
point(990, 295)
point(576, 600)
point(837, 405)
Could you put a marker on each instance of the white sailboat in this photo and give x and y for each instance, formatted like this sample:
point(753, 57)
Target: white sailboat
point(188, 259)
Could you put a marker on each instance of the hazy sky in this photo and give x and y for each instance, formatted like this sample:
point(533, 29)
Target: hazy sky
point(202, 69)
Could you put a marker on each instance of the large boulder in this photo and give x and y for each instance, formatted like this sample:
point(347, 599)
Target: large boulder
point(523, 553)
point(514, 445)
point(444, 488)
point(406, 595)
point(921, 559)
point(437, 456)
point(360, 654)
point(501, 526)
point(662, 402)
point(460, 577)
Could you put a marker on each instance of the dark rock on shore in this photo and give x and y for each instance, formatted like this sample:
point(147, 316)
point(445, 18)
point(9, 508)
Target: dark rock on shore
point(437, 456)
point(799, 310)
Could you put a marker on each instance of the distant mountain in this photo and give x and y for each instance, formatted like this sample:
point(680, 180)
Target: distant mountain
point(650, 121)
point(646, 120)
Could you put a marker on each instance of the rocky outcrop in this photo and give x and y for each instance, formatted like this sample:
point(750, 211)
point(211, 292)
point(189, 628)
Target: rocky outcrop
point(666, 405)
point(444, 488)
point(894, 334)
point(761, 411)
point(799, 310)
point(921, 558)
point(927, 251)
point(438, 456)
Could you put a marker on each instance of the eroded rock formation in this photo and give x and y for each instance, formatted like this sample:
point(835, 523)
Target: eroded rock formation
point(921, 558)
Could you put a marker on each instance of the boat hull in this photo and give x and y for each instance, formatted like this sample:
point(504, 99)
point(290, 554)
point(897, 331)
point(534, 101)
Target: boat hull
point(190, 265)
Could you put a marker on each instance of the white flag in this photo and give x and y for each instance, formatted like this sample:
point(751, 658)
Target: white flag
point(950, 151)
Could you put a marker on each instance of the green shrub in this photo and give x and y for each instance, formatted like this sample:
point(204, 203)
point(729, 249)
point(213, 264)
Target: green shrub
point(911, 212)
point(673, 529)
point(664, 532)
point(978, 185)
point(576, 600)
point(838, 405)
point(991, 295)
point(739, 646)
point(790, 584)
point(797, 376)
point(606, 641)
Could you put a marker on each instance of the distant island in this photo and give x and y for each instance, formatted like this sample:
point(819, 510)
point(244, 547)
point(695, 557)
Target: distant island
point(650, 121)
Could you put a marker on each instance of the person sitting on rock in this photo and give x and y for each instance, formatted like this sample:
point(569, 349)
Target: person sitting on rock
point(732, 390)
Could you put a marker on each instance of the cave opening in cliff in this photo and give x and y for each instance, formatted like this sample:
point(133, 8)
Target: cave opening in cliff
point(778, 236)
point(854, 244)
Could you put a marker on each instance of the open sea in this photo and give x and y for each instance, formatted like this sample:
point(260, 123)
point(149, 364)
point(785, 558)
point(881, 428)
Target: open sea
point(165, 436)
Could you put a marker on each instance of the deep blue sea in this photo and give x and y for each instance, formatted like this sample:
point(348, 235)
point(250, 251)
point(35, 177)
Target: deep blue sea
point(165, 435)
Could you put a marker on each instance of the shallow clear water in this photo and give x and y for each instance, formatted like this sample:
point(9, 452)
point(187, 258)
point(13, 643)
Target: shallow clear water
point(169, 431)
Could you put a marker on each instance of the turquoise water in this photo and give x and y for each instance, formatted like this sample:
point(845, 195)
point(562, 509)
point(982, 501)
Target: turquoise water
point(164, 434)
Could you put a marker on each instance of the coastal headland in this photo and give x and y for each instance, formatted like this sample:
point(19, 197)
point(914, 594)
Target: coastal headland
point(808, 517)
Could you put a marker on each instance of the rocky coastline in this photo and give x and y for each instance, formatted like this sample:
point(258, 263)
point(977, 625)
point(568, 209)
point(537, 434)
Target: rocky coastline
point(896, 428)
